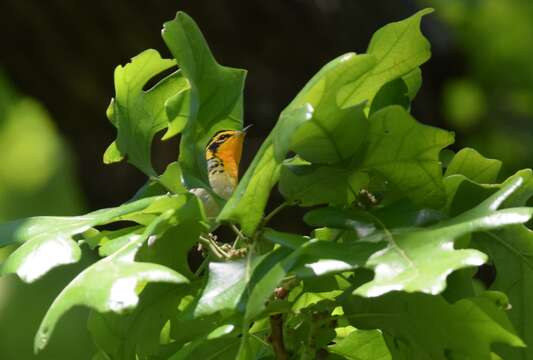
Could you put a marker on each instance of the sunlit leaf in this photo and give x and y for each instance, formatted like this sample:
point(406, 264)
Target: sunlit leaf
point(407, 154)
point(312, 257)
point(405, 265)
point(215, 95)
point(247, 204)
point(468, 162)
point(226, 284)
point(111, 284)
point(343, 83)
point(399, 48)
point(362, 345)
point(46, 242)
point(138, 114)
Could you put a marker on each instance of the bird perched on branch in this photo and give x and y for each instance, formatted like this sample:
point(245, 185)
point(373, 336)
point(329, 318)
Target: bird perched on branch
point(223, 155)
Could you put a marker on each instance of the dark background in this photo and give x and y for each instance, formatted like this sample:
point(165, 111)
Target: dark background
point(63, 53)
point(57, 59)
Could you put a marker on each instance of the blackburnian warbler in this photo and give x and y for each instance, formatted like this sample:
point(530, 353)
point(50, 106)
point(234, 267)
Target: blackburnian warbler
point(223, 155)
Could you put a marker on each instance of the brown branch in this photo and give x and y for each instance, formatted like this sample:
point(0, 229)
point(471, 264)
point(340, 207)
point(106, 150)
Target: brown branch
point(276, 337)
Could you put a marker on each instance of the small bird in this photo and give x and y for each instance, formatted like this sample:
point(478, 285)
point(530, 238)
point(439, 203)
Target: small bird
point(223, 154)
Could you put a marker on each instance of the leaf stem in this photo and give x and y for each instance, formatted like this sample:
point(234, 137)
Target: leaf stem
point(202, 266)
point(240, 235)
point(274, 212)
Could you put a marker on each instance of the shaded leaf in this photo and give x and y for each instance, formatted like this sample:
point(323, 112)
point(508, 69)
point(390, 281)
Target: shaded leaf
point(392, 93)
point(436, 330)
point(215, 349)
point(511, 250)
point(137, 333)
point(307, 184)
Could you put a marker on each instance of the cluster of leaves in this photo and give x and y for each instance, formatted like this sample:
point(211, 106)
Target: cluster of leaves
point(399, 226)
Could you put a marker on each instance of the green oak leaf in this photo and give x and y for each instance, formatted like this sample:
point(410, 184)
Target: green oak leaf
point(405, 265)
point(247, 204)
point(395, 50)
point(178, 108)
point(511, 251)
point(317, 258)
point(214, 101)
point(109, 241)
point(314, 125)
point(361, 345)
point(413, 80)
point(137, 114)
point(308, 184)
point(400, 91)
point(399, 48)
point(394, 92)
point(229, 283)
point(308, 299)
point(463, 194)
point(173, 247)
point(332, 135)
point(523, 195)
point(171, 178)
point(307, 258)
point(222, 348)
point(123, 336)
point(225, 286)
point(407, 154)
point(471, 164)
point(289, 121)
point(111, 284)
point(46, 241)
point(436, 330)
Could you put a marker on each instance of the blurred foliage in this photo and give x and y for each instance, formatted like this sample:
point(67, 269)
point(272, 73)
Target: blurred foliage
point(35, 167)
point(36, 178)
point(491, 106)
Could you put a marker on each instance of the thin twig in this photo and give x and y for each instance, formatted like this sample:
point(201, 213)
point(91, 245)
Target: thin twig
point(239, 234)
point(214, 248)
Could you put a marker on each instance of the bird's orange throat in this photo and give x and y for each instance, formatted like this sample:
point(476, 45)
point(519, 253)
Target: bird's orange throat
point(230, 153)
point(223, 153)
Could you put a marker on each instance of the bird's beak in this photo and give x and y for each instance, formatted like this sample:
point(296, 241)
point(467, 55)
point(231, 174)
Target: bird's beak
point(246, 128)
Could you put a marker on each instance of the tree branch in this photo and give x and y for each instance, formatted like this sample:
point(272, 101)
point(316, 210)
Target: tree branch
point(276, 337)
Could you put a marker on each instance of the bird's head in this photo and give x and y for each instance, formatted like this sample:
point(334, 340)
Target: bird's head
point(226, 147)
